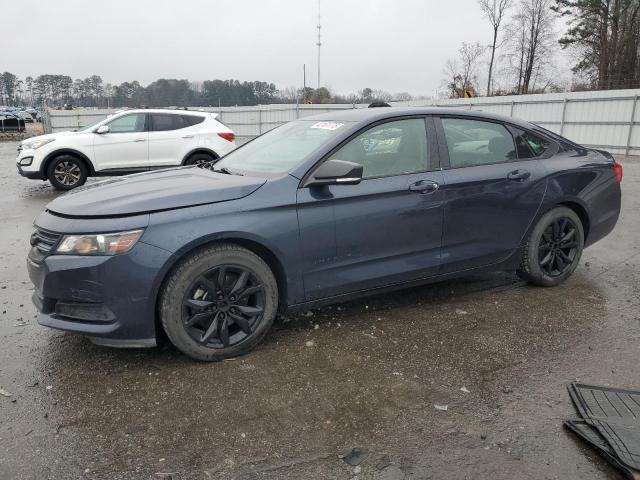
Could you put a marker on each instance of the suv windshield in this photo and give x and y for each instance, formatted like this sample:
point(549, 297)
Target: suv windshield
point(279, 150)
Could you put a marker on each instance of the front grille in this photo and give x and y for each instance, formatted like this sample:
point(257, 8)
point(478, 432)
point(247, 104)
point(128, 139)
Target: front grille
point(44, 240)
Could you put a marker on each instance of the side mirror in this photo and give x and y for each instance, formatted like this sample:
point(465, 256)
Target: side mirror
point(336, 172)
point(102, 129)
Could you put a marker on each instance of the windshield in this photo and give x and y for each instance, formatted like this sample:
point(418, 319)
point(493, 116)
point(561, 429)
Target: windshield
point(93, 125)
point(281, 149)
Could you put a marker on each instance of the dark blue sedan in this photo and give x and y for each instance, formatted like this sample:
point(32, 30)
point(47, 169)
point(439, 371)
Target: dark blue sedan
point(316, 211)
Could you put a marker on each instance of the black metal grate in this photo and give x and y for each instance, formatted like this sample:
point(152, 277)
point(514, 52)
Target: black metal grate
point(44, 240)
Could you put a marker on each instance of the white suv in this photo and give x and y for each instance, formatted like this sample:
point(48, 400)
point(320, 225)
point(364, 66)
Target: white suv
point(128, 142)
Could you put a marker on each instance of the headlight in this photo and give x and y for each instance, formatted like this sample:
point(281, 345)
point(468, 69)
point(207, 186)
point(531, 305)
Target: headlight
point(26, 161)
point(33, 144)
point(99, 244)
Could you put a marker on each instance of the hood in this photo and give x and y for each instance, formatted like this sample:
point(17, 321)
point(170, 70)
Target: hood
point(49, 135)
point(153, 191)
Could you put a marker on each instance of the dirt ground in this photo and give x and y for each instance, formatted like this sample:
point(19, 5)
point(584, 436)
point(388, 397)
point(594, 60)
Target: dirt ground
point(366, 374)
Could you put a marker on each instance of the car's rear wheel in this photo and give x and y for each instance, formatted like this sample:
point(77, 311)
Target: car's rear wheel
point(199, 159)
point(554, 248)
point(219, 302)
point(66, 172)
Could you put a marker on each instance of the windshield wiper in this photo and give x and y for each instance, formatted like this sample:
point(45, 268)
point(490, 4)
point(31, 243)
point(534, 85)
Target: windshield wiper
point(226, 171)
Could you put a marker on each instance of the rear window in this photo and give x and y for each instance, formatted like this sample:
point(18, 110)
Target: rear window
point(565, 143)
point(192, 119)
point(530, 145)
point(162, 122)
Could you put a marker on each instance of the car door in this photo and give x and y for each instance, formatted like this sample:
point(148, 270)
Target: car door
point(491, 192)
point(385, 230)
point(170, 139)
point(124, 147)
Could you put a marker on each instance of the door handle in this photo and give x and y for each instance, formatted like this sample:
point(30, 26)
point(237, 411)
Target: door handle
point(140, 140)
point(519, 175)
point(188, 136)
point(424, 187)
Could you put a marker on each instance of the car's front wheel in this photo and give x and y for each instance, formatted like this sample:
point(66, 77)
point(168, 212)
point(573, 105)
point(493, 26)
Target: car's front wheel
point(66, 172)
point(553, 249)
point(199, 159)
point(219, 302)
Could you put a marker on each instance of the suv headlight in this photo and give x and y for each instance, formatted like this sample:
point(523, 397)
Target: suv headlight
point(99, 244)
point(35, 143)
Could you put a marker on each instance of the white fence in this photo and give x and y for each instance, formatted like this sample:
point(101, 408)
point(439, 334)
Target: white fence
point(602, 119)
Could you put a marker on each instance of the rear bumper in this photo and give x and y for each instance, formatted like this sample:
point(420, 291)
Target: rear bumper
point(110, 299)
point(601, 229)
point(604, 211)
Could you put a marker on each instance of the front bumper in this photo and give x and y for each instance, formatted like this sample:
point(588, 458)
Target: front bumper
point(32, 170)
point(108, 298)
point(34, 175)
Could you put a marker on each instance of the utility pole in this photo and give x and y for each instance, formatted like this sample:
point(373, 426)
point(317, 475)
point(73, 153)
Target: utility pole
point(319, 44)
point(304, 82)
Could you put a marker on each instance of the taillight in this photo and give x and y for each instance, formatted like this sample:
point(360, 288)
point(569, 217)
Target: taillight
point(618, 168)
point(228, 136)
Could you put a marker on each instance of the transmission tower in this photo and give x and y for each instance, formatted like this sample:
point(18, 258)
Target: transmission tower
point(319, 44)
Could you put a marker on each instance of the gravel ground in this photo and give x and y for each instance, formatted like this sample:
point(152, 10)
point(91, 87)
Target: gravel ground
point(366, 375)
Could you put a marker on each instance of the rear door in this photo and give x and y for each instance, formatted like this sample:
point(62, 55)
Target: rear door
point(171, 137)
point(385, 230)
point(491, 192)
point(124, 147)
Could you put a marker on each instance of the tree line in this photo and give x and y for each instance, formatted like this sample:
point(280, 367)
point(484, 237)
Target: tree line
point(602, 40)
point(60, 90)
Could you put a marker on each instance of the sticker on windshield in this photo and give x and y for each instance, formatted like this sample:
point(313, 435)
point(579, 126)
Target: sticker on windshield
point(327, 125)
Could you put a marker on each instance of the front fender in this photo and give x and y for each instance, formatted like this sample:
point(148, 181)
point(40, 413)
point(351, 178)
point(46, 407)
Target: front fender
point(68, 151)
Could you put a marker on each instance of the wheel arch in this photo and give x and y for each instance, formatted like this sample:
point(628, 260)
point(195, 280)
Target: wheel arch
point(582, 213)
point(66, 151)
point(205, 150)
point(252, 244)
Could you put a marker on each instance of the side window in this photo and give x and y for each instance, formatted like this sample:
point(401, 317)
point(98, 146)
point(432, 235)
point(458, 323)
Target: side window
point(530, 145)
point(392, 148)
point(476, 142)
point(162, 122)
point(192, 119)
point(127, 123)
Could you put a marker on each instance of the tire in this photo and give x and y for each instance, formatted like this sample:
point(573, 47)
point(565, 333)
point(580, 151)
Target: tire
point(195, 319)
point(554, 248)
point(67, 172)
point(199, 159)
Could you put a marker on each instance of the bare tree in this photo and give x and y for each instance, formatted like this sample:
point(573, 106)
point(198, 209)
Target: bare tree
point(532, 39)
point(494, 11)
point(461, 73)
point(289, 94)
point(380, 95)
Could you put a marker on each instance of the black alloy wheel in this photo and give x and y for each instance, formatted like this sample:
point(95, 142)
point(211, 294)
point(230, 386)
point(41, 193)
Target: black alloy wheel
point(558, 247)
point(553, 249)
point(223, 306)
point(218, 302)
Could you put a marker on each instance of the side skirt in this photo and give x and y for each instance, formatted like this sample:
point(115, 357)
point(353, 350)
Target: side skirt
point(510, 264)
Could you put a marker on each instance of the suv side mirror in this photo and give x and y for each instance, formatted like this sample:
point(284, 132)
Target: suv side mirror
point(102, 129)
point(336, 172)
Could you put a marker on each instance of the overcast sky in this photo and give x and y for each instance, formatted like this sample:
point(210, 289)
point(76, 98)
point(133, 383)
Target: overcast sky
point(395, 45)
